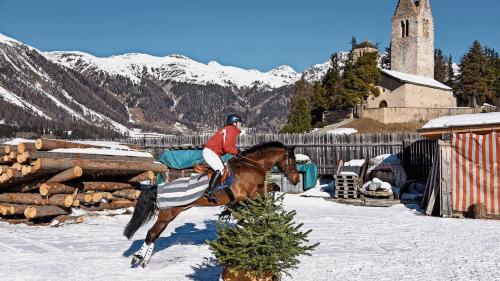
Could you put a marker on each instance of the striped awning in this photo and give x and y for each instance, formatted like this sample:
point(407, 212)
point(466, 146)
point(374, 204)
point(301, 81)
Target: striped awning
point(476, 171)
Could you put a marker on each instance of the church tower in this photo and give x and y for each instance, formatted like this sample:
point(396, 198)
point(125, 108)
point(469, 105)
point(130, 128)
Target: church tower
point(412, 40)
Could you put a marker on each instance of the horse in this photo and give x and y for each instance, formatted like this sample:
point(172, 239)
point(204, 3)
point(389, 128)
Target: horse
point(249, 168)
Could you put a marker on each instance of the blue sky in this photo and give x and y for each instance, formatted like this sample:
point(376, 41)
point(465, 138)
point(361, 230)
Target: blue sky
point(250, 34)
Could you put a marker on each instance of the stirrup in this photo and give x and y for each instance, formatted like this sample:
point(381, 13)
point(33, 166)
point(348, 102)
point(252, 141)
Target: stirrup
point(210, 197)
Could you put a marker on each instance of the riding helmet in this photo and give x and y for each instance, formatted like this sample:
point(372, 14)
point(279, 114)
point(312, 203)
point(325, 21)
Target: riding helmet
point(233, 118)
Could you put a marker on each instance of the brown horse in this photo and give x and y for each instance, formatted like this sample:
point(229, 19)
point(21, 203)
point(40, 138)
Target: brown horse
point(249, 176)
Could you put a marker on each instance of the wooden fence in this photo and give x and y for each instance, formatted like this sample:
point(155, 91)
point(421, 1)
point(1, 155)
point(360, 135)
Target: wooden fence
point(415, 152)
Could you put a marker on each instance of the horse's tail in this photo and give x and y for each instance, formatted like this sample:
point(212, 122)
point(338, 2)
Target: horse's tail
point(144, 211)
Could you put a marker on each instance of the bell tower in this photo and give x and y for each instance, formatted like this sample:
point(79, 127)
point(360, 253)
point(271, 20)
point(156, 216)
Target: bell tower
point(412, 40)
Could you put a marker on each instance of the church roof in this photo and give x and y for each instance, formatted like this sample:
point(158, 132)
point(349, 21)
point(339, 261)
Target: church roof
point(415, 79)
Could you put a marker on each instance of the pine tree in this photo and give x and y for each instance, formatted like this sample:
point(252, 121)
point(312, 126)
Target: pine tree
point(264, 240)
point(450, 73)
point(354, 44)
point(320, 99)
point(386, 58)
point(361, 79)
point(439, 66)
point(332, 81)
point(299, 119)
point(475, 85)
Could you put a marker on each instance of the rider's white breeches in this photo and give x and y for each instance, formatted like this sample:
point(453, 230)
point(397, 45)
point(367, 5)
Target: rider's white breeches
point(213, 160)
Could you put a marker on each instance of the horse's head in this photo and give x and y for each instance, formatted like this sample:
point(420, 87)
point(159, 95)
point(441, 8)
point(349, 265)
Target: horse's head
point(288, 165)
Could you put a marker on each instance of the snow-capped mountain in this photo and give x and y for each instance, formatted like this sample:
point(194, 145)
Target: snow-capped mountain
point(41, 91)
point(175, 68)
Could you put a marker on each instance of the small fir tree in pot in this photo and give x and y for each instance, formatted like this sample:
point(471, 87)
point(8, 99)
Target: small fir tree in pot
point(264, 243)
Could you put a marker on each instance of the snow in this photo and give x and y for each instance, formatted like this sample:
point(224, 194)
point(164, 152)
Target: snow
point(355, 163)
point(16, 100)
point(464, 120)
point(176, 68)
point(356, 243)
point(301, 158)
point(17, 141)
point(104, 151)
point(415, 79)
point(342, 131)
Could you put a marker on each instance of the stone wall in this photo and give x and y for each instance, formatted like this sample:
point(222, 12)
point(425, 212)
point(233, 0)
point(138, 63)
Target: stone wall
point(392, 115)
point(397, 94)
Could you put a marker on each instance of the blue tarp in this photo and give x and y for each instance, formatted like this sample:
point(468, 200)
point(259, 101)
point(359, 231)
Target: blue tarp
point(184, 159)
point(310, 174)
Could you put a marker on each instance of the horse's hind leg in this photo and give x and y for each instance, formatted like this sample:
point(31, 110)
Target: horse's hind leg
point(143, 256)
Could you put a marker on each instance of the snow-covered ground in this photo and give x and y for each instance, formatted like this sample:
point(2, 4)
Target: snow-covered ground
point(357, 243)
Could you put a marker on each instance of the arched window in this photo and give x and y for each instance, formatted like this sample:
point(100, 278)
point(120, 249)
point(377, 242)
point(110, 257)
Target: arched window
point(407, 28)
point(382, 104)
point(403, 29)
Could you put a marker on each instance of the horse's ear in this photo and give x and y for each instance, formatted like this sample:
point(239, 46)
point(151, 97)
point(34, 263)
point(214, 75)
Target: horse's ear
point(292, 148)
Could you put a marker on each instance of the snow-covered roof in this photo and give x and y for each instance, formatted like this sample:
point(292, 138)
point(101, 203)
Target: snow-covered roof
point(464, 120)
point(415, 79)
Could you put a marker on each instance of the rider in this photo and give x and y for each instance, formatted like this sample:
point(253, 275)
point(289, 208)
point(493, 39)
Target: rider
point(224, 141)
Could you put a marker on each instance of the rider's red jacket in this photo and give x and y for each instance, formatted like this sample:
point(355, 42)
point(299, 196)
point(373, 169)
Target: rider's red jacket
point(224, 141)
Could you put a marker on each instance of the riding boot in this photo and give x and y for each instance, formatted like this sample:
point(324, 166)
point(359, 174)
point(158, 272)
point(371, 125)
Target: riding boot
point(214, 180)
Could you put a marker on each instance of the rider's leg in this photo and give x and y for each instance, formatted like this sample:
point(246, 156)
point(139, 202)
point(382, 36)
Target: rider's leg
point(216, 164)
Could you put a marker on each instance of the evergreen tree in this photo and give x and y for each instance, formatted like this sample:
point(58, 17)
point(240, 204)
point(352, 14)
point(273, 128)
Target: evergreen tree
point(332, 82)
point(386, 58)
point(264, 240)
point(320, 99)
point(450, 74)
point(354, 44)
point(439, 66)
point(475, 87)
point(299, 119)
point(361, 80)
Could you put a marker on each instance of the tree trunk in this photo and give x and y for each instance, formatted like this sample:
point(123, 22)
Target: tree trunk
point(62, 200)
point(105, 186)
point(113, 205)
point(67, 175)
point(36, 212)
point(94, 165)
point(149, 175)
point(50, 144)
point(26, 146)
point(130, 194)
point(47, 189)
point(33, 155)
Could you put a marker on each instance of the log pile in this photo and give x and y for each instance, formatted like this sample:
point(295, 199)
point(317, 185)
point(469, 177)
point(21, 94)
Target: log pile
point(43, 180)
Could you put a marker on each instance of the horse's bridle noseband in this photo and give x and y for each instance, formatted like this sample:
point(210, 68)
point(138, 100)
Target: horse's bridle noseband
point(265, 169)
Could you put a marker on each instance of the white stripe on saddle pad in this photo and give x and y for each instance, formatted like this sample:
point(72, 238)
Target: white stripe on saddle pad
point(181, 191)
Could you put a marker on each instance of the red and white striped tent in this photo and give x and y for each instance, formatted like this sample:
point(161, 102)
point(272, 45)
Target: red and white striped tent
point(466, 171)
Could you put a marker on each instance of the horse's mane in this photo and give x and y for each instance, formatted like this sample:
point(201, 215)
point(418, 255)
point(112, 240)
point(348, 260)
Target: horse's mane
point(262, 147)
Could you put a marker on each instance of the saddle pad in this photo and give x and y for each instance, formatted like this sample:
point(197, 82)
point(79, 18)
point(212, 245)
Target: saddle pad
point(182, 191)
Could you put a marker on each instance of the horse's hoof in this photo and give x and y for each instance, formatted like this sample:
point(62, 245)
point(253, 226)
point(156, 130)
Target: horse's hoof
point(135, 261)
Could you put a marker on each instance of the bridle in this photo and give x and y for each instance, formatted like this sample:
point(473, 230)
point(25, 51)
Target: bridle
point(263, 168)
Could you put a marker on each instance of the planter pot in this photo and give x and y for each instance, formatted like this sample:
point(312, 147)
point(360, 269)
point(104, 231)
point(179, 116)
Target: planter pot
point(240, 275)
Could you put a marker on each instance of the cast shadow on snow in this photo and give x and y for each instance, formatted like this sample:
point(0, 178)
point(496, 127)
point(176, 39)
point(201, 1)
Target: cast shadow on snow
point(186, 234)
point(209, 270)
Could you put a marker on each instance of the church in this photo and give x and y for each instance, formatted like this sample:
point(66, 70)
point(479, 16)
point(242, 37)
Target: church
point(409, 88)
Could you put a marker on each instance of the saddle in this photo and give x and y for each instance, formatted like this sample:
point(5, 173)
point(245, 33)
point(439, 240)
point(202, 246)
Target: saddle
point(206, 170)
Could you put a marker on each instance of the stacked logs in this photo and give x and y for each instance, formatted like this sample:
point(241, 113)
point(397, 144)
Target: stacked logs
point(45, 179)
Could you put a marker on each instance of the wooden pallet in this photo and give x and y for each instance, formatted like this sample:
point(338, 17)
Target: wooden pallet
point(347, 195)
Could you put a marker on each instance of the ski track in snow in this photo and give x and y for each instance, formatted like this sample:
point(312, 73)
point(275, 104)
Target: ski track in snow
point(357, 243)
